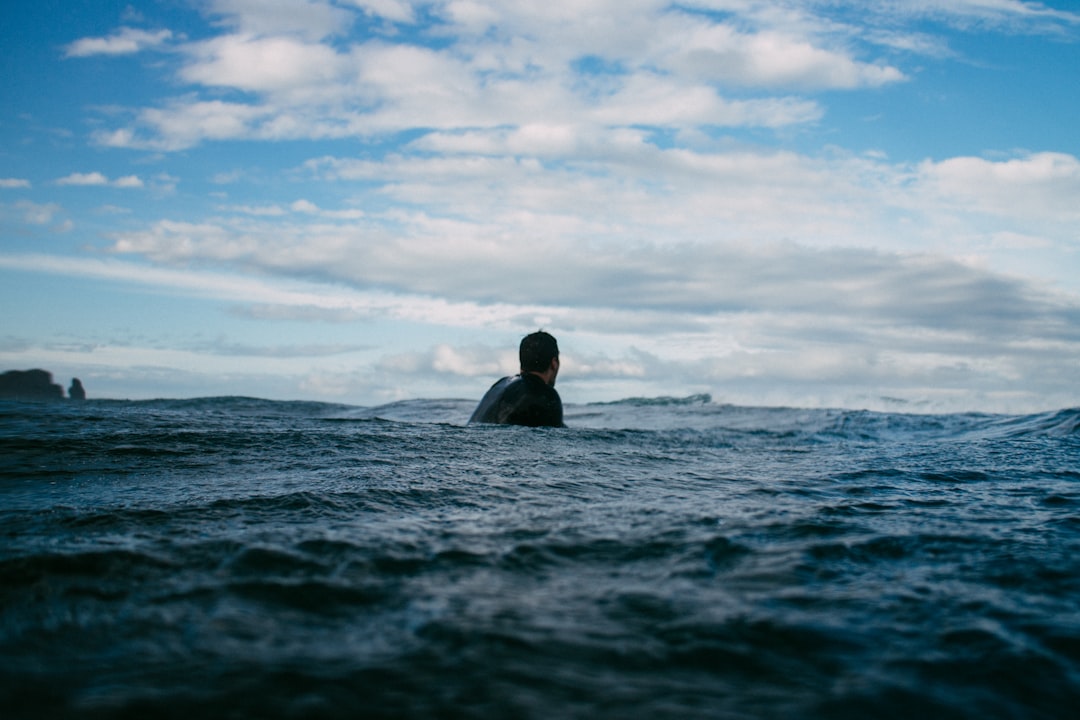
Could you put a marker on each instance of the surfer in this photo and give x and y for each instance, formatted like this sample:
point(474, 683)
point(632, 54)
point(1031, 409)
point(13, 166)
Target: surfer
point(528, 398)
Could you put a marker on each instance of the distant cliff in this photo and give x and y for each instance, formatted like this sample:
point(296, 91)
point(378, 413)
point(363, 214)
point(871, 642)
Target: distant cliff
point(30, 385)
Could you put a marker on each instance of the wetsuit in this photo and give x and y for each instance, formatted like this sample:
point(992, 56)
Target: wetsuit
point(520, 400)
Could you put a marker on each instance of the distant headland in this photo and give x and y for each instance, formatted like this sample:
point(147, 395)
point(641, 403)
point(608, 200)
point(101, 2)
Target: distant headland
point(37, 385)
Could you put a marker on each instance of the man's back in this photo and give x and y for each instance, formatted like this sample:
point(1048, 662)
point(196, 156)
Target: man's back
point(520, 400)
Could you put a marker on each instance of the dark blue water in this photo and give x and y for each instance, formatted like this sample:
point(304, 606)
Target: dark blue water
point(658, 559)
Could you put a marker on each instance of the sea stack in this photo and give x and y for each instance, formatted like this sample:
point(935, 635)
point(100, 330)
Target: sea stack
point(30, 385)
point(76, 391)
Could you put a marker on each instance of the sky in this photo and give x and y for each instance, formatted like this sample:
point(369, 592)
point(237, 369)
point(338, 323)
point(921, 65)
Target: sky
point(810, 203)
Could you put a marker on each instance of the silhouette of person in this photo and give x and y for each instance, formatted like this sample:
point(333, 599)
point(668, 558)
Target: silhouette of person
point(530, 397)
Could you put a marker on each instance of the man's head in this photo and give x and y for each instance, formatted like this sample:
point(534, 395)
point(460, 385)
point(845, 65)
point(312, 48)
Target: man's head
point(537, 353)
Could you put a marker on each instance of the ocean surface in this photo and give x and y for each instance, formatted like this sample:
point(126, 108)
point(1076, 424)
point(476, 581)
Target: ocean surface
point(665, 558)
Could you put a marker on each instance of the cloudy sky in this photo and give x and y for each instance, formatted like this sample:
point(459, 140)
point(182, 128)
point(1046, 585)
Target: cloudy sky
point(870, 204)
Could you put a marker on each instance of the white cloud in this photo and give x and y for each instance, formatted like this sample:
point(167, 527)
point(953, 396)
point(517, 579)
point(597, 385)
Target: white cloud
point(690, 280)
point(501, 64)
point(307, 207)
point(311, 19)
point(958, 11)
point(94, 178)
point(258, 210)
point(294, 299)
point(685, 248)
point(98, 179)
point(623, 186)
point(13, 183)
point(648, 99)
point(394, 10)
point(302, 207)
point(604, 367)
point(467, 15)
point(565, 167)
point(621, 192)
point(769, 59)
point(660, 67)
point(261, 64)
point(125, 41)
point(470, 362)
point(824, 343)
point(996, 10)
point(227, 347)
point(113, 210)
point(37, 213)
point(184, 123)
point(1038, 185)
point(128, 181)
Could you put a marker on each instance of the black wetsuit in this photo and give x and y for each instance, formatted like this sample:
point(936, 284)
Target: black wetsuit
point(520, 400)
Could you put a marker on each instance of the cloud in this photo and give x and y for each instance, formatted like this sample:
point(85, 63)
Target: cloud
point(298, 313)
point(492, 64)
point(546, 64)
point(474, 361)
point(310, 19)
point(450, 360)
point(37, 213)
point(1003, 11)
point(642, 226)
point(186, 122)
point(98, 179)
point(94, 178)
point(598, 167)
point(257, 210)
point(1014, 14)
point(113, 210)
point(853, 328)
point(771, 59)
point(307, 207)
point(394, 10)
point(13, 183)
point(302, 207)
point(518, 183)
point(223, 346)
point(128, 181)
point(261, 64)
point(688, 251)
point(1036, 185)
point(704, 281)
point(279, 298)
point(125, 41)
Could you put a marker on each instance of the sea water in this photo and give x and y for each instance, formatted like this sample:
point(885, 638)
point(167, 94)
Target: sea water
point(236, 558)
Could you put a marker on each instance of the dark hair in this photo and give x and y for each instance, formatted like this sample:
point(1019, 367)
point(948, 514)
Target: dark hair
point(537, 351)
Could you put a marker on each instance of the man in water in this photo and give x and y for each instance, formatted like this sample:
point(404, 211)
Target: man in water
point(529, 398)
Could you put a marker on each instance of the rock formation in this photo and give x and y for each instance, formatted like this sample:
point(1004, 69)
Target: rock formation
point(29, 385)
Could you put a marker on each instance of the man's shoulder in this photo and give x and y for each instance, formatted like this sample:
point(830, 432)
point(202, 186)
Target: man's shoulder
point(487, 410)
point(520, 400)
point(504, 382)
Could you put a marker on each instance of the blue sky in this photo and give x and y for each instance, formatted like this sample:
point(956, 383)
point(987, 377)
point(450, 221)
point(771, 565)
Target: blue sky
point(802, 202)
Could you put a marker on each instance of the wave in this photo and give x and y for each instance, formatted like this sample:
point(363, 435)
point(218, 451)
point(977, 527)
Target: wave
point(238, 404)
point(1056, 423)
point(673, 557)
point(694, 413)
point(661, 401)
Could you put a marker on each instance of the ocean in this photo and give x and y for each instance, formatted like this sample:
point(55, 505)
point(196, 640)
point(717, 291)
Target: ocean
point(658, 558)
